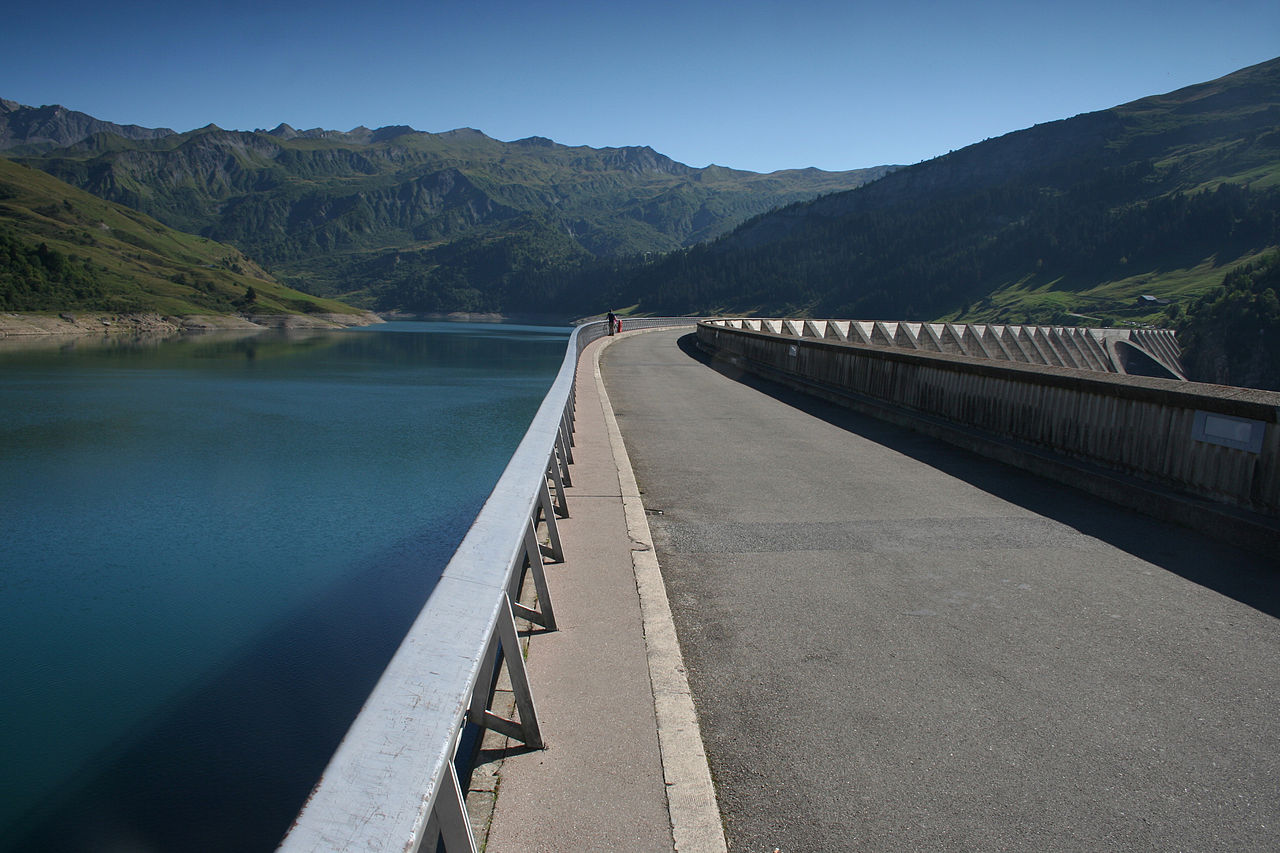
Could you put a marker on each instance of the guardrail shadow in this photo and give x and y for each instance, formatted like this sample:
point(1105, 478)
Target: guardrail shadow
point(1246, 577)
point(259, 730)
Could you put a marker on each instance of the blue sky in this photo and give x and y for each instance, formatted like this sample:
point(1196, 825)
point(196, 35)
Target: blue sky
point(756, 84)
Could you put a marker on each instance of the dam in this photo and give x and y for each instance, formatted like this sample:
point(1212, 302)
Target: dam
point(889, 640)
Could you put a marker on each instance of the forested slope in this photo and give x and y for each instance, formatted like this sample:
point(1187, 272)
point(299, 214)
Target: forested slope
point(1076, 219)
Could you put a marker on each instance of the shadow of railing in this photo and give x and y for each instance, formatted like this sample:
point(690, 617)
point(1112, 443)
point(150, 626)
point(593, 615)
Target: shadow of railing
point(1247, 577)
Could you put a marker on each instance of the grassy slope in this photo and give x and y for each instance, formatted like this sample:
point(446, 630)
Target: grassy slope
point(1189, 134)
point(1036, 226)
point(139, 264)
point(1113, 302)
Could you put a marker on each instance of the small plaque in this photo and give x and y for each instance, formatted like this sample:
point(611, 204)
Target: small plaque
point(1229, 431)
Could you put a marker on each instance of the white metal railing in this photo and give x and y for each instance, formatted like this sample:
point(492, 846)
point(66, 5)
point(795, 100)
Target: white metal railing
point(391, 784)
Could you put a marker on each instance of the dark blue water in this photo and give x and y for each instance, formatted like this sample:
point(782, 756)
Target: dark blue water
point(210, 548)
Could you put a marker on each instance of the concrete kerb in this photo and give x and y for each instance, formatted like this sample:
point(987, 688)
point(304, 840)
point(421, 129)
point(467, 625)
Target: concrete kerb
point(691, 800)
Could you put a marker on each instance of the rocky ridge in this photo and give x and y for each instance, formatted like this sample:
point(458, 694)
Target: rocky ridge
point(54, 126)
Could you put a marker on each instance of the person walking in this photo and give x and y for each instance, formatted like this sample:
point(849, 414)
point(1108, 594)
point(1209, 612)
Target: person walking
point(612, 321)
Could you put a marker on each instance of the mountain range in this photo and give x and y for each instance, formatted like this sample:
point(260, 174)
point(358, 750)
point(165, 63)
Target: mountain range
point(1071, 221)
point(396, 218)
point(30, 130)
point(1165, 210)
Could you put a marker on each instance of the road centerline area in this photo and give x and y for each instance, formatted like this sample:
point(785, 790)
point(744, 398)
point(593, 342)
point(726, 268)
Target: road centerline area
point(893, 644)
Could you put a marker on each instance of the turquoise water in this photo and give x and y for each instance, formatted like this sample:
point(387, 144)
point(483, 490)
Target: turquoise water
point(211, 546)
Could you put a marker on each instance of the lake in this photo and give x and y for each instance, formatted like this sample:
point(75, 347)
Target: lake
point(211, 547)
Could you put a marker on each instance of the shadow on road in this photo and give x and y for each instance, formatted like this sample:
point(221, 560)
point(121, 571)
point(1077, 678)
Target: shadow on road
point(1238, 574)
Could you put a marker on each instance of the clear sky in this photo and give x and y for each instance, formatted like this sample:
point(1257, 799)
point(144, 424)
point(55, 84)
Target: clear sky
point(754, 84)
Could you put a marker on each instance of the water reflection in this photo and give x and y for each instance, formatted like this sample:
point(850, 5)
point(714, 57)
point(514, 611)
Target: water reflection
point(228, 765)
point(194, 527)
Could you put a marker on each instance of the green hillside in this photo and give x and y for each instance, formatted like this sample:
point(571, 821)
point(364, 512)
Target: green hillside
point(1073, 221)
point(62, 249)
point(400, 219)
point(1231, 335)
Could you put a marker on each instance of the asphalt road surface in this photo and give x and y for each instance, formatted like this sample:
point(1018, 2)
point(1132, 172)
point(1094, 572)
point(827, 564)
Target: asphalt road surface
point(896, 645)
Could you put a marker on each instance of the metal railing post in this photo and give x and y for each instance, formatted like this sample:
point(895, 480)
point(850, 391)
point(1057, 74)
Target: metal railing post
point(449, 822)
point(566, 443)
point(553, 470)
point(443, 673)
point(553, 528)
point(563, 460)
point(544, 615)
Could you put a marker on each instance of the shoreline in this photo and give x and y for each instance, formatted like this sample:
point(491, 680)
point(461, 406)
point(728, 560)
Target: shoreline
point(532, 319)
point(18, 325)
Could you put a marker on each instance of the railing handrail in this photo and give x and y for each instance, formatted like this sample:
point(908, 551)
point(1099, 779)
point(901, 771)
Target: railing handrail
point(386, 785)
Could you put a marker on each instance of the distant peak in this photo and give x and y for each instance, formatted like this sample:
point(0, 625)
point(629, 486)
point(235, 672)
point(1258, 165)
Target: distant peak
point(391, 131)
point(642, 158)
point(536, 142)
point(465, 132)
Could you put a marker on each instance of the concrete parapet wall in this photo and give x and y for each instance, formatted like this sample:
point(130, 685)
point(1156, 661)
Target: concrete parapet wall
point(1145, 352)
point(1217, 443)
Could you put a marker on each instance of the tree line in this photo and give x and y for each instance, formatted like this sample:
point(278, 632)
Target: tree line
point(1231, 336)
point(37, 277)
